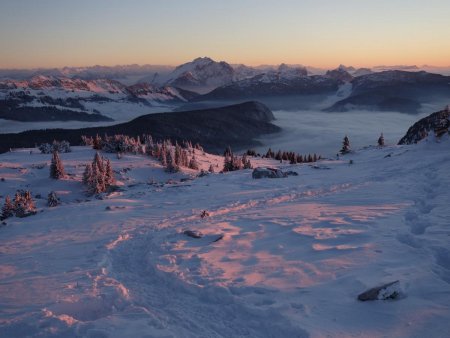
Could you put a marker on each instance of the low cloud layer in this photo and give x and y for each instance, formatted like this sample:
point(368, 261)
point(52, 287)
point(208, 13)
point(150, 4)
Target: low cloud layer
point(322, 133)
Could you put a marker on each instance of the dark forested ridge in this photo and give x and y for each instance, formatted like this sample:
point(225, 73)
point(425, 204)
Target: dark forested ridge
point(236, 125)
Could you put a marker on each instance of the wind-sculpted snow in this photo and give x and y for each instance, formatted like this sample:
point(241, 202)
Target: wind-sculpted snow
point(275, 258)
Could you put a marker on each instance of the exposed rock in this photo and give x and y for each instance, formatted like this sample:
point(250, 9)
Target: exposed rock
point(291, 173)
point(193, 233)
point(219, 237)
point(387, 291)
point(437, 123)
point(261, 172)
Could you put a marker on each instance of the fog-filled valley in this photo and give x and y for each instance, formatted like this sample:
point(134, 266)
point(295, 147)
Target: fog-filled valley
point(308, 131)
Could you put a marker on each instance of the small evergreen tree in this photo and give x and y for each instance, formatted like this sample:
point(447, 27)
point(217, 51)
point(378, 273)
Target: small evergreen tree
point(345, 145)
point(52, 199)
point(171, 166)
point(109, 174)
point(98, 180)
point(97, 143)
point(381, 140)
point(211, 169)
point(8, 209)
point(193, 164)
point(163, 158)
point(87, 174)
point(246, 162)
point(228, 152)
point(56, 167)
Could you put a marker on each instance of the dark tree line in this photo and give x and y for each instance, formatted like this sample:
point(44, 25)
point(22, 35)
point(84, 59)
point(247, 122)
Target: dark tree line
point(292, 157)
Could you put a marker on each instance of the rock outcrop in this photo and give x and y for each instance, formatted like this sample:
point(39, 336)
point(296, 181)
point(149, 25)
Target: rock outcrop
point(437, 123)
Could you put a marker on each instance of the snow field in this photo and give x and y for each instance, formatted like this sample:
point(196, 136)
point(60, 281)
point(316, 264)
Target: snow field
point(294, 253)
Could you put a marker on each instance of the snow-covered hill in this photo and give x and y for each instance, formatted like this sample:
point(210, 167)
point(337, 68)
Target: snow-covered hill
point(278, 258)
point(50, 98)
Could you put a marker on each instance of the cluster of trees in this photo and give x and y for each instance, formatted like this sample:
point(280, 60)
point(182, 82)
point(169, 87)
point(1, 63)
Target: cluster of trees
point(98, 176)
point(292, 157)
point(233, 162)
point(60, 147)
point(172, 156)
point(22, 205)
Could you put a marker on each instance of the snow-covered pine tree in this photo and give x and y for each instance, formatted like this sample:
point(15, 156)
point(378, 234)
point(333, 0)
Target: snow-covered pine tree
point(97, 142)
point(381, 140)
point(109, 174)
point(56, 167)
point(97, 184)
point(193, 164)
point(7, 209)
point(178, 155)
point(227, 163)
point(163, 156)
point(345, 145)
point(211, 169)
point(87, 174)
point(98, 160)
point(246, 162)
point(228, 152)
point(52, 199)
point(184, 158)
point(171, 166)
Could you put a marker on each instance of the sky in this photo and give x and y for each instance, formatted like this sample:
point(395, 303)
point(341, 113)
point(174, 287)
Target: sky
point(321, 33)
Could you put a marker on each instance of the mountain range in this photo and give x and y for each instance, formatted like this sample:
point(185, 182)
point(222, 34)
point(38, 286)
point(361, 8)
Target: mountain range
point(93, 94)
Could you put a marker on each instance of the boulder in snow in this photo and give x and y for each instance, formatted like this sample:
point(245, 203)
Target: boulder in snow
point(387, 291)
point(193, 233)
point(261, 172)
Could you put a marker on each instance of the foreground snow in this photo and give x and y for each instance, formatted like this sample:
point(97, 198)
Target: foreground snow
point(295, 252)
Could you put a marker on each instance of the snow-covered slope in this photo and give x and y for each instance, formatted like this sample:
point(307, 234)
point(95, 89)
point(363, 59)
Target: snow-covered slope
point(294, 252)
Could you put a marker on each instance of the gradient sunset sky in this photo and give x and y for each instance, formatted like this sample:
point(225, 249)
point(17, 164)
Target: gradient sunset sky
point(322, 33)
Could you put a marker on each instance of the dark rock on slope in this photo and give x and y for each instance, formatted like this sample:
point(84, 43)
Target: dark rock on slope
point(237, 125)
point(437, 123)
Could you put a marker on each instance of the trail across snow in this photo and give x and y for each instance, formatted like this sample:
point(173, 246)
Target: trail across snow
point(278, 257)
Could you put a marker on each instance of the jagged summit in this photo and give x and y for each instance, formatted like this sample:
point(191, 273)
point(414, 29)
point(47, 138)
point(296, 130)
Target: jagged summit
point(341, 73)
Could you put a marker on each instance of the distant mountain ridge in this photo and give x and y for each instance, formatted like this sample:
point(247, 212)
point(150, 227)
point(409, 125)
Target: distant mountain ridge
point(394, 90)
point(342, 89)
point(50, 98)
